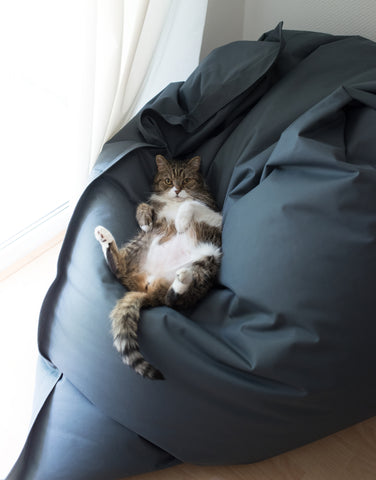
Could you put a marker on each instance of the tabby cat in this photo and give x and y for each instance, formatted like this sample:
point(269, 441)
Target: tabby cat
point(174, 259)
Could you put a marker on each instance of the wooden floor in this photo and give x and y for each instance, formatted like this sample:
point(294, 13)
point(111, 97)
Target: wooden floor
point(346, 455)
point(22, 289)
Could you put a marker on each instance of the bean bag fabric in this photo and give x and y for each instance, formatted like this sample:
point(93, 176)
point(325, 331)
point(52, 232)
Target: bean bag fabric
point(281, 352)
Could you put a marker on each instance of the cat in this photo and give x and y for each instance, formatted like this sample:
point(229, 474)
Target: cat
point(173, 260)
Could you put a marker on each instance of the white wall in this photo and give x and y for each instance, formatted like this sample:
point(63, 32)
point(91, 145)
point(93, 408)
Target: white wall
point(224, 24)
point(230, 20)
point(342, 17)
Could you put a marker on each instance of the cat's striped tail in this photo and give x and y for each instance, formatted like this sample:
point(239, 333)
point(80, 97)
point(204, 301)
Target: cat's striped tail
point(125, 317)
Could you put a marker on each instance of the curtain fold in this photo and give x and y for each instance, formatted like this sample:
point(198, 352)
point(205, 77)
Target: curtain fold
point(139, 47)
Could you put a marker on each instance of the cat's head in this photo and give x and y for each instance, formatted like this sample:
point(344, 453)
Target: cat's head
point(178, 179)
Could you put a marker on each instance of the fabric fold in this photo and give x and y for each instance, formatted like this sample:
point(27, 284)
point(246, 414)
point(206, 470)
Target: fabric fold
point(280, 352)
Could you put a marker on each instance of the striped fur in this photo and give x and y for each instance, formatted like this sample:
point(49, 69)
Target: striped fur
point(125, 317)
point(173, 261)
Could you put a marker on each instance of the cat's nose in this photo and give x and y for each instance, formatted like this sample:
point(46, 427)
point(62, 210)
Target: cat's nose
point(177, 190)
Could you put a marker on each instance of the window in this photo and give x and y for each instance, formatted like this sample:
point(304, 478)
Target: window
point(39, 92)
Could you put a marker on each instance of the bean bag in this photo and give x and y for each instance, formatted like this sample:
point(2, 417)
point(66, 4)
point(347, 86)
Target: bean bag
point(281, 351)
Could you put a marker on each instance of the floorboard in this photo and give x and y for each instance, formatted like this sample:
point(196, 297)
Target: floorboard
point(347, 455)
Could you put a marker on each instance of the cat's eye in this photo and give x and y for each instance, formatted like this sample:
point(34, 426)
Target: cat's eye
point(186, 180)
point(168, 181)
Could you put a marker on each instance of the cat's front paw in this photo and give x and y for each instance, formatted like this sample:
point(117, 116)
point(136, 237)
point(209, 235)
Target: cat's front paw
point(103, 236)
point(184, 218)
point(144, 216)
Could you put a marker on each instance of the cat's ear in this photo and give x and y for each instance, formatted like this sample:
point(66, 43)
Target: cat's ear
point(195, 163)
point(161, 162)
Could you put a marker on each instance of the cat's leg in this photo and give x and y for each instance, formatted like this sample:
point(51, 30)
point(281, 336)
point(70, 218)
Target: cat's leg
point(111, 253)
point(193, 211)
point(184, 216)
point(191, 283)
point(182, 281)
point(145, 216)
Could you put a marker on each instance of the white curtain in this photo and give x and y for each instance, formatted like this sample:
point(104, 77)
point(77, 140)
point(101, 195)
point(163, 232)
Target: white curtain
point(136, 48)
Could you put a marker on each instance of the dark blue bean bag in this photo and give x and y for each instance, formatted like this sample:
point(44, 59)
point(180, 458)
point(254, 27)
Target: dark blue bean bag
point(282, 351)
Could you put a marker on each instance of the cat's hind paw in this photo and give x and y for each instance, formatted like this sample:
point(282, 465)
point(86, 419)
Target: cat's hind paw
point(179, 286)
point(103, 236)
point(182, 279)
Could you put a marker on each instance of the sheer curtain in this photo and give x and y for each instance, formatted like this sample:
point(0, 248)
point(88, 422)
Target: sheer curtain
point(73, 73)
point(136, 49)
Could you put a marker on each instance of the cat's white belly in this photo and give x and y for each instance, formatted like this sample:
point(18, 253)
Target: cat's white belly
point(163, 260)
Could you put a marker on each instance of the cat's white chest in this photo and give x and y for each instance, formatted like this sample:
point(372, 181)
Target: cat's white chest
point(164, 259)
point(170, 210)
